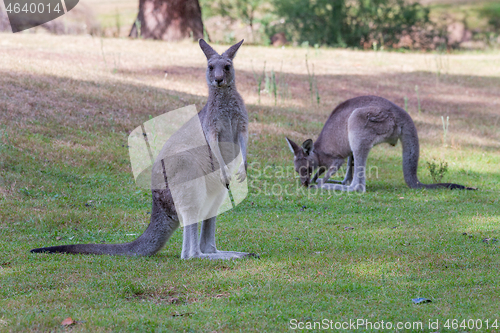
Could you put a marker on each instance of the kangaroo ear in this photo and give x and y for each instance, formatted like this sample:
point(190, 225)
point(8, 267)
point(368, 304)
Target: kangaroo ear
point(307, 146)
point(231, 52)
point(293, 146)
point(207, 49)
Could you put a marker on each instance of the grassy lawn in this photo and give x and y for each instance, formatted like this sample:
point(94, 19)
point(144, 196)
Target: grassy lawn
point(67, 105)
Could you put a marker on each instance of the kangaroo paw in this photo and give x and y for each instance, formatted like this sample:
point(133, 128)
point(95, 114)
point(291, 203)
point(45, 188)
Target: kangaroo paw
point(225, 177)
point(242, 173)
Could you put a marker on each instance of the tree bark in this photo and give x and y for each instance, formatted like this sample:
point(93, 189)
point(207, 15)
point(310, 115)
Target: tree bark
point(169, 20)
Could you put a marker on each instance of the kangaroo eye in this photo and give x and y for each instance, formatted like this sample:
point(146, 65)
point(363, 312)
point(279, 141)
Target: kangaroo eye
point(227, 67)
point(211, 68)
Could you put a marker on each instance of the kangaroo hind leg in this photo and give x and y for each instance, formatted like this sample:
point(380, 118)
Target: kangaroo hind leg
point(366, 127)
point(208, 247)
point(204, 246)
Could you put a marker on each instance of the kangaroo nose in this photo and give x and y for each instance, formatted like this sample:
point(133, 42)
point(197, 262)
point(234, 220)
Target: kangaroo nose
point(219, 80)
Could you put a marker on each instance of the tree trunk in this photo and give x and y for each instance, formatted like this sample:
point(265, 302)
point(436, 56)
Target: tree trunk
point(169, 20)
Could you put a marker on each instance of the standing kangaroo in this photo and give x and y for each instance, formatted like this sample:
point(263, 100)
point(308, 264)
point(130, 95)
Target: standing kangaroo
point(352, 129)
point(185, 196)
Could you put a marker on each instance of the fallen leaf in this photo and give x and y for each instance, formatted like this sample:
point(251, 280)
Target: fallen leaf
point(421, 300)
point(348, 228)
point(67, 322)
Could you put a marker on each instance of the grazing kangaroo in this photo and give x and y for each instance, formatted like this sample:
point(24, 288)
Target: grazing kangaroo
point(184, 196)
point(352, 129)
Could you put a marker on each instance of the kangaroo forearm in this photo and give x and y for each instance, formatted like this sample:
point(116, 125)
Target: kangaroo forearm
point(213, 143)
point(243, 141)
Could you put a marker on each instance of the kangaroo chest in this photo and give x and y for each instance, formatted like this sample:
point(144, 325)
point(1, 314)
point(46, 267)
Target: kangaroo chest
point(227, 129)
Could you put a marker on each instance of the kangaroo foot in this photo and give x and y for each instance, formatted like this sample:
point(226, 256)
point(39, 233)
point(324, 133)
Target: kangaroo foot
point(221, 255)
point(237, 254)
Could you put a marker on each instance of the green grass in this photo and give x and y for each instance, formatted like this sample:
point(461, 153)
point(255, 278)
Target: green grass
point(65, 178)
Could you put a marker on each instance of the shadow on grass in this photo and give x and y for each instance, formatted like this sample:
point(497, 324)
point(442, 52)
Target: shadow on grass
point(468, 100)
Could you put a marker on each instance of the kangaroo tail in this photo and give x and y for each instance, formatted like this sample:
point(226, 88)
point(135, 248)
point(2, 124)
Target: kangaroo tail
point(112, 249)
point(161, 227)
point(409, 140)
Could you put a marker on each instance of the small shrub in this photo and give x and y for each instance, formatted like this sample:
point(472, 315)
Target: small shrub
point(437, 170)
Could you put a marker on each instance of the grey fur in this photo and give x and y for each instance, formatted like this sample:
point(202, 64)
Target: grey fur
point(352, 129)
point(224, 122)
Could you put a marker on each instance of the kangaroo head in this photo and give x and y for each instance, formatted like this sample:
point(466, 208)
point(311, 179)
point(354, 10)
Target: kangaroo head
point(220, 71)
point(304, 159)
